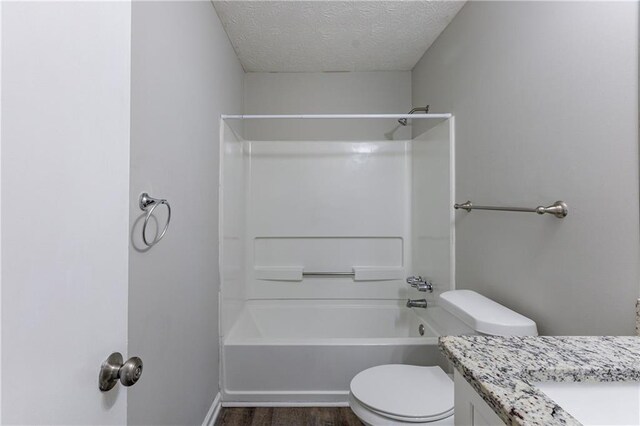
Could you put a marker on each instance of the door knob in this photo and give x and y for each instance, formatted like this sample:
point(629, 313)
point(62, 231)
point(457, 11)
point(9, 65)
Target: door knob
point(113, 369)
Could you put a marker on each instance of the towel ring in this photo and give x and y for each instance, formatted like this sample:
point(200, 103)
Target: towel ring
point(145, 202)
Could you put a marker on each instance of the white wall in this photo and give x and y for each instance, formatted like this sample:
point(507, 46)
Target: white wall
point(545, 96)
point(65, 202)
point(0, 213)
point(184, 75)
point(327, 93)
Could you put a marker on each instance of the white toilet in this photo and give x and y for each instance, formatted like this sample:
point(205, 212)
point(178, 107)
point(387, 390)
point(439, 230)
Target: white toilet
point(410, 394)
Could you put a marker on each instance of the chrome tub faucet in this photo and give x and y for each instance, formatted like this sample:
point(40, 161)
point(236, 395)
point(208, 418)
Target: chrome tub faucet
point(420, 284)
point(418, 303)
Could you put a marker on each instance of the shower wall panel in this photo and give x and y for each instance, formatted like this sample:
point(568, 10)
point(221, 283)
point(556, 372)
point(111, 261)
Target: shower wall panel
point(233, 194)
point(432, 224)
point(328, 207)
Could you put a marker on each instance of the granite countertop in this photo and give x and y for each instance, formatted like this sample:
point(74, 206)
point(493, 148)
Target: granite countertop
point(501, 369)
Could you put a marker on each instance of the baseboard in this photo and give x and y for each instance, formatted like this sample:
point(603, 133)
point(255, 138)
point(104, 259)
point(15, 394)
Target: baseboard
point(337, 398)
point(214, 411)
point(285, 404)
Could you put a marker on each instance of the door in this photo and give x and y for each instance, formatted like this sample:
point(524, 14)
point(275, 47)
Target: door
point(64, 204)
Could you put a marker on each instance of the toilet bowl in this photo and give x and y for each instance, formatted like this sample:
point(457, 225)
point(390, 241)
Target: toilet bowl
point(402, 394)
point(415, 395)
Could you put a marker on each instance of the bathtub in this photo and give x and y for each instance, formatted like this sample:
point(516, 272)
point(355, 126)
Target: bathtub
point(305, 352)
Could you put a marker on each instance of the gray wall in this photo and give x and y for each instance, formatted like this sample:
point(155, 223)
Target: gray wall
point(375, 92)
point(184, 75)
point(545, 96)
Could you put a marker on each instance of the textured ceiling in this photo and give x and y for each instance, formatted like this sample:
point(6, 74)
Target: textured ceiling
point(333, 35)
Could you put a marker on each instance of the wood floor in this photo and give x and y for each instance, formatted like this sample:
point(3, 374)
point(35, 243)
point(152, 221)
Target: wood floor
point(298, 416)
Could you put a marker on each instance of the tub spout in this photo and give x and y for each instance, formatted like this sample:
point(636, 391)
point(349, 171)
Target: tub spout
point(419, 303)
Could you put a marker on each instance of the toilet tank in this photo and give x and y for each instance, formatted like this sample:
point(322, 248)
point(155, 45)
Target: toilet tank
point(486, 316)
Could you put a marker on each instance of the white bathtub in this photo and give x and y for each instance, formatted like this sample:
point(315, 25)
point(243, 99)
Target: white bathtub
point(303, 352)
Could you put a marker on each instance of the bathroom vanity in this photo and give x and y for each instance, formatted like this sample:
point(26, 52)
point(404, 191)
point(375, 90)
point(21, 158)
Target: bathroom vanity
point(545, 380)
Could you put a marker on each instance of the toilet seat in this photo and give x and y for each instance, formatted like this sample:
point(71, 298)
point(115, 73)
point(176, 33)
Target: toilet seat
point(370, 418)
point(406, 393)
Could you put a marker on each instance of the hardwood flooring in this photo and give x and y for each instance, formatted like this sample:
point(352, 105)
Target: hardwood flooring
point(289, 416)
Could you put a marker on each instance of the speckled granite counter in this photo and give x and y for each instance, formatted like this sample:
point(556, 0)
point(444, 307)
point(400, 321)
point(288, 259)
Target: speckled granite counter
point(501, 368)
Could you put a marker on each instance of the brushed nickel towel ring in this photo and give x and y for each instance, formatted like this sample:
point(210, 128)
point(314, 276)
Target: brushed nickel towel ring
point(145, 202)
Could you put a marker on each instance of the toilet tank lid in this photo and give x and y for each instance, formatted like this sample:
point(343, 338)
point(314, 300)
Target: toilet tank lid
point(486, 316)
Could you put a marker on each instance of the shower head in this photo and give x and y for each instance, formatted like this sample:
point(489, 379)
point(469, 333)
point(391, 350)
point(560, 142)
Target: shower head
point(403, 121)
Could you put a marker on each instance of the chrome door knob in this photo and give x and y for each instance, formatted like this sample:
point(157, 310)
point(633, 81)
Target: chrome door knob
point(113, 369)
point(131, 371)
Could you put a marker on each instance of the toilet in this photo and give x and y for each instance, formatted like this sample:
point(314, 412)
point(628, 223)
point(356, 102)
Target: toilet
point(398, 394)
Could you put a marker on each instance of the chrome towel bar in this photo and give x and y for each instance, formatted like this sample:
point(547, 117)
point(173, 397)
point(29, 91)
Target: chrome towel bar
point(145, 201)
point(559, 209)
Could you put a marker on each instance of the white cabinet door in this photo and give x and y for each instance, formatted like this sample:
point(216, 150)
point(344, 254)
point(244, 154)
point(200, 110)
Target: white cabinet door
point(470, 408)
point(64, 202)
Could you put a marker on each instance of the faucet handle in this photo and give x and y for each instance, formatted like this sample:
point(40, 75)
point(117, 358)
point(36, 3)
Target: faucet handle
point(414, 281)
point(425, 286)
point(420, 284)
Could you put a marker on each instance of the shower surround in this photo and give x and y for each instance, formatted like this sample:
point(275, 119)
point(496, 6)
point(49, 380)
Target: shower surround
point(320, 227)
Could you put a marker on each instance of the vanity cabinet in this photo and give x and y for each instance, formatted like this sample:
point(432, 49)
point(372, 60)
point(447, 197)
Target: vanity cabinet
point(470, 408)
